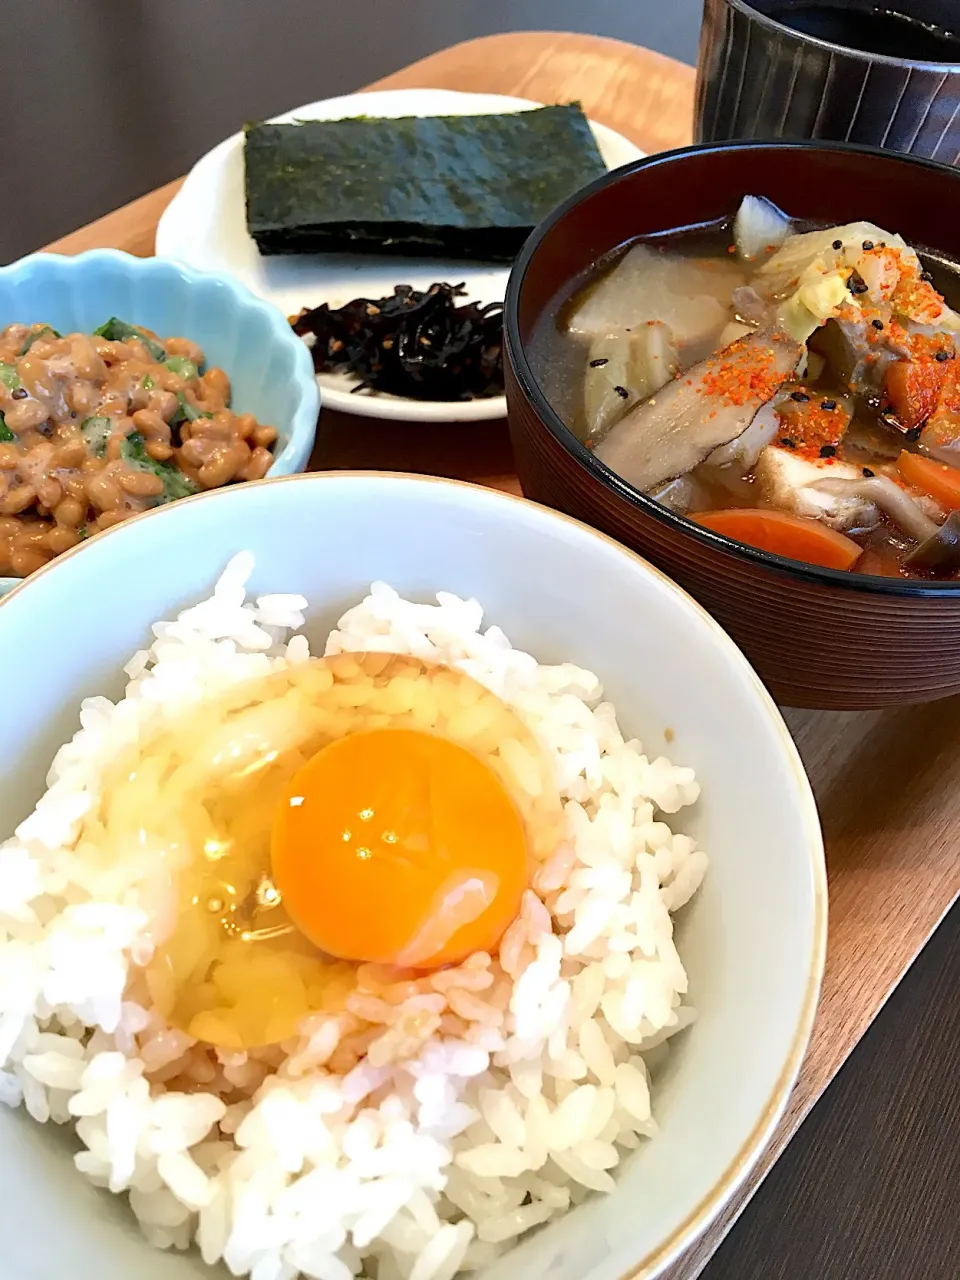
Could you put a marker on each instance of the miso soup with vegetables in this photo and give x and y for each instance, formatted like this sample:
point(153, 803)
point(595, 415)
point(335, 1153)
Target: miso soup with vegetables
point(792, 388)
point(98, 427)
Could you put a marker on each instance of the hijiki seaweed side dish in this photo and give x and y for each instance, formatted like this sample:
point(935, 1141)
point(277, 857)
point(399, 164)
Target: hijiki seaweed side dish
point(415, 343)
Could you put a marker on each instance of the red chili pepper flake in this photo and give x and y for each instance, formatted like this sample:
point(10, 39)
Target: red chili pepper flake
point(814, 424)
point(916, 297)
point(741, 374)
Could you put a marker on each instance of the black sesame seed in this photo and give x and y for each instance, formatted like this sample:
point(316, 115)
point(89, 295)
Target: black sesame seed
point(912, 434)
point(801, 396)
point(868, 473)
point(867, 246)
point(926, 277)
point(828, 404)
point(838, 244)
point(941, 356)
point(787, 442)
point(19, 394)
point(598, 364)
point(622, 392)
point(827, 450)
point(877, 324)
point(855, 283)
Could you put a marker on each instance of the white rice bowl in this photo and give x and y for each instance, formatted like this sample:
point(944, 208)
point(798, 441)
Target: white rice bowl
point(275, 1162)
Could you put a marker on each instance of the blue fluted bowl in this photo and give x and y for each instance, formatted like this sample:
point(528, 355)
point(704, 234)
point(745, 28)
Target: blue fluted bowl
point(269, 367)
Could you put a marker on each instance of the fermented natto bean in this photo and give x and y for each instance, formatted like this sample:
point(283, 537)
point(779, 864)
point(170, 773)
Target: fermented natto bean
point(111, 352)
point(163, 403)
point(70, 454)
point(69, 512)
point(184, 347)
point(113, 407)
point(216, 380)
point(151, 426)
point(82, 397)
point(9, 457)
point(24, 560)
point(107, 519)
point(141, 484)
point(220, 469)
point(24, 414)
point(158, 450)
point(258, 466)
point(49, 491)
point(61, 538)
point(245, 425)
point(18, 499)
point(103, 493)
point(220, 427)
point(197, 452)
point(264, 437)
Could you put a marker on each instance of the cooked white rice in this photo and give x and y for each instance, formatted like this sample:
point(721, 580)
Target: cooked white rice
point(311, 1158)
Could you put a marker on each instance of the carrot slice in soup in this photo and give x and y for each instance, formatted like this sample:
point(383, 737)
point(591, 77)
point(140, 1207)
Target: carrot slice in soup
point(792, 536)
point(913, 389)
point(936, 478)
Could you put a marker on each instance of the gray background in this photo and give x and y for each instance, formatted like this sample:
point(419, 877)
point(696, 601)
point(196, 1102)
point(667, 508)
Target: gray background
point(103, 100)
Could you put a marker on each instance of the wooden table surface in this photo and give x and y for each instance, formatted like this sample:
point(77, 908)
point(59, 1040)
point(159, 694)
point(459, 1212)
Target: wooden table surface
point(888, 786)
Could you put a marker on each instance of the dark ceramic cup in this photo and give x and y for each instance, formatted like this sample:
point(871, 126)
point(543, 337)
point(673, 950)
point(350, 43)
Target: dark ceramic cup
point(819, 638)
point(760, 77)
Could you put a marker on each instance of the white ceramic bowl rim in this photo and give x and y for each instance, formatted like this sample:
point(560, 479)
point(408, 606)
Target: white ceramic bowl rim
point(773, 1107)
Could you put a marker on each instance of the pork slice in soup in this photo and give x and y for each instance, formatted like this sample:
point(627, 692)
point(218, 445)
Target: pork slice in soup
point(795, 389)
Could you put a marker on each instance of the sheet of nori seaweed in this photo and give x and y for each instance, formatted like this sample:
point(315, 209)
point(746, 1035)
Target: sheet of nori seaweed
point(456, 186)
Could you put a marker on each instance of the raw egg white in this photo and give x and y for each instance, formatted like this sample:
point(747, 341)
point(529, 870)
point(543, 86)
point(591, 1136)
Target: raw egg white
point(365, 807)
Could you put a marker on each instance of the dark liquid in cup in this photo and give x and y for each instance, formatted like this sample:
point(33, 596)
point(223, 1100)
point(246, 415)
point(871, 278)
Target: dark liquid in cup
point(883, 31)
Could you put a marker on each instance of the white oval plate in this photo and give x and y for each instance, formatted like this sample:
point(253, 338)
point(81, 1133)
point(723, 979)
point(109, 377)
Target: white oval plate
point(205, 226)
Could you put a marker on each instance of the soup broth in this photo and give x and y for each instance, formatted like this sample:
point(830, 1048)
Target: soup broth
point(879, 30)
point(790, 386)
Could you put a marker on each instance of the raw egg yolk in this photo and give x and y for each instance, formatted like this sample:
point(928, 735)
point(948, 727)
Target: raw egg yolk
point(399, 847)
